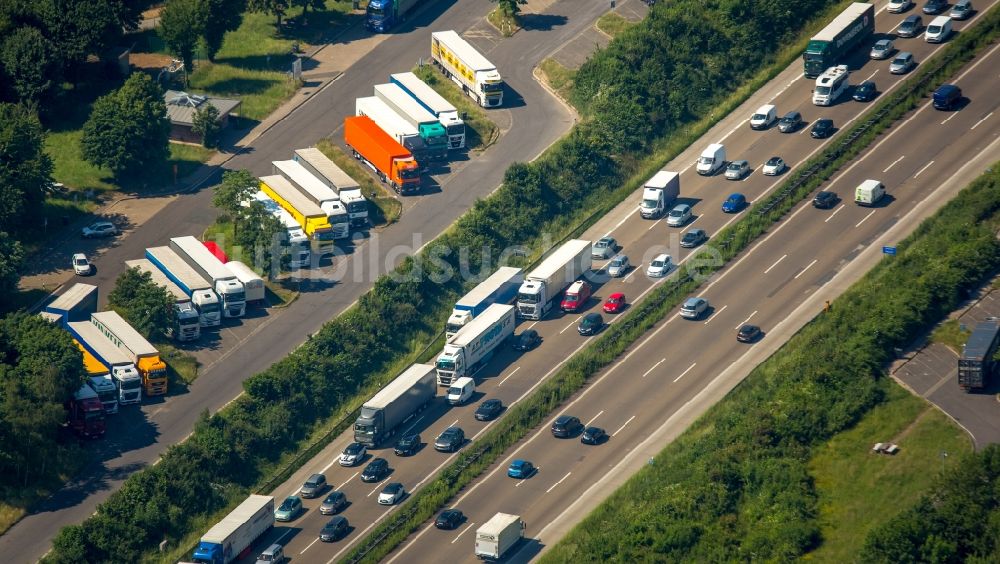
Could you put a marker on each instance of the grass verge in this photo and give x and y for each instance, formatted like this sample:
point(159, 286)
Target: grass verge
point(182, 367)
point(952, 334)
point(480, 131)
point(387, 207)
point(612, 24)
point(558, 77)
point(503, 21)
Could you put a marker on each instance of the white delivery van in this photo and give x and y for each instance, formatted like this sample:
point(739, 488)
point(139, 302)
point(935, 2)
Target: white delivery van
point(461, 390)
point(938, 30)
point(764, 117)
point(868, 193)
point(712, 159)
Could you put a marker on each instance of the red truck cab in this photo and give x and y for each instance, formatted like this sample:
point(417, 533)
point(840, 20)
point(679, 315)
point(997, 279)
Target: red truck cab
point(85, 413)
point(576, 296)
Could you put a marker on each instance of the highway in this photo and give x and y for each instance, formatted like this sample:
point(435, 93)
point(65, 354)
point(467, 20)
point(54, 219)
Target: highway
point(531, 121)
point(792, 274)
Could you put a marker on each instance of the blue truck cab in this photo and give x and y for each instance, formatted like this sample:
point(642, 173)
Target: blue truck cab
point(383, 15)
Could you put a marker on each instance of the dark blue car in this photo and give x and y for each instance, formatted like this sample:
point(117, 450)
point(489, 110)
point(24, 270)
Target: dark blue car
point(734, 203)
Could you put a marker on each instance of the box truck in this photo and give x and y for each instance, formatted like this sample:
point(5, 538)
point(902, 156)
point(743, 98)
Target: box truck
point(294, 238)
point(226, 285)
point(333, 176)
point(443, 110)
point(500, 288)
point(309, 216)
point(123, 371)
point(496, 536)
point(318, 193)
point(659, 193)
point(232, 537)
point(75, 304)
point(395, 126)
point(383, 15)
point(395, 404)
point(542, 286)
point(187, 320)
point(141, 352)
point(252, 282)
point(471, 348)
point(853, 27)
point(469, 69)
point(203, 297)
point(978, 359)
point(390, 160)
point(428, 127)
point(84, 413)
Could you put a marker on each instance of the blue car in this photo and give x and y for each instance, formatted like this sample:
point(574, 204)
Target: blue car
point(734, 203)
point(520, 469)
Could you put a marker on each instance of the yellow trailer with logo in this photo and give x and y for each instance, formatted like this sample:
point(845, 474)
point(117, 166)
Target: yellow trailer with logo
point(461, 62)
point(313, 220)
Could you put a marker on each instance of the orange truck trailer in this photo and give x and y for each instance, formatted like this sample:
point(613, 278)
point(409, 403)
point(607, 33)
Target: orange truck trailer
point(374, 147)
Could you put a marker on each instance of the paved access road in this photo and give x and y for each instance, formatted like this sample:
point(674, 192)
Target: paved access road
point(510, 377)
point(532, 120)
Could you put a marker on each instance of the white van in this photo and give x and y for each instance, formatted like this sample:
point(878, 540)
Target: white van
point(868, 193)
point(461, 390)
point(764, 117)
point(712, 159)
point(274, 554)
point(938, 30)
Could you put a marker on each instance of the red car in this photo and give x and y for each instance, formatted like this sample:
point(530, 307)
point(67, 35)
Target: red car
point(615, 303)
point(576, 296)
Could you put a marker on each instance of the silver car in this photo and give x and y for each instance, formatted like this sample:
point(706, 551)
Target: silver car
point(679, 215)
point(898, 6)
point(693, 308)
point(902, 63)
point(882, 49)
point(737, 170)
point(604, 248)
point(619, 266)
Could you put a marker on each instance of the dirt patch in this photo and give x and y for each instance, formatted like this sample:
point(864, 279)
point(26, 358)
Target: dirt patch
point(149, 61)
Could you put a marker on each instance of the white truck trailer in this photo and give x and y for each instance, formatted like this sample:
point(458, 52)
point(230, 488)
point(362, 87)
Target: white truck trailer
point(498, 535)
point(427, 124)
point(232, 537)
point(253, 283)
point(394, 405)
point(203, 297)
point(75, 304)
point(465, 65)
point(333, 176)
point(227, 286)
point(474, 344)
point(123, 371)
point(395, 126)
point(658, 193)
point(542, 286)
point(187, 320)
point(434, 103)
point(500, 288)
point(319, 193)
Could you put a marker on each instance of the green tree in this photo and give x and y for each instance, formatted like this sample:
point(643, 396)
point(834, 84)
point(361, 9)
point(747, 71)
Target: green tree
point(276, 8)
point(11, 256)
point(206, 124)
point(181, 23)
point(147, 306)
point(128, 129)
point(31, 64)
point(78, 28)
point(25, 168)
point(236, 188)
point(220, 17)
point(510, 7)
point(260, 236)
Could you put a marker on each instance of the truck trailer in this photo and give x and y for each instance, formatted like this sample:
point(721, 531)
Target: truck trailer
point(395, 404)
point(75, 304)
point(339, 181)
point(203, 297)
point(187, 320)
point(500, 288)
point(252, 282)
point(145, 356)
point(123, 371)
point(498, 535)
point(977, 363)
point(658, 193)
point(443, 110)
point(383, 15)
point(227, 286)
point(316, 191)
point(473, 346)
point(232, 537)
point(428, 127)
point(395, 126)
point(390, 160)
point(542, 286)
point(294, 238)
point(308, 215)
point(466, 66)
point(854, 26)
point(84, 413)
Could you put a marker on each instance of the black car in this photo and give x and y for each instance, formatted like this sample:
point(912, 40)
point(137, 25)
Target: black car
point(593, 436)
point(566, 426)
point(790, 122)
point(449, 519)
point(376, 470)
point(748, 333)
point(822, 129)
point(864, 92)
point(335, 529)
point(693, 238)
point(407, 445)
point(911, 26)
point(590, 324)
point(825, 200)
point(527, 340)
point(934, 7)
point(489, 409)
point(450, 440)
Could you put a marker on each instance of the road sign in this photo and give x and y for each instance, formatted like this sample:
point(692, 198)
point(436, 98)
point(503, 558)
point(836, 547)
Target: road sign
point(887, 250)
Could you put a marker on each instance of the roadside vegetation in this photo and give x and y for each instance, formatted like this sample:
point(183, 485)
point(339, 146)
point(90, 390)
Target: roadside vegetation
point(558, 77)
point(504, 16)
point(387, 207)
point(480, 130)
point(612, 24)
point(951, 333)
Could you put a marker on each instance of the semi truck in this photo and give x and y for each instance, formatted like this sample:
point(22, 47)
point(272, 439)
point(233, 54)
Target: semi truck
point(310, 217)
point(473, 346)
point(314, 190)
point(500, 288)
point(498, 535)
point(469, 69)
point(393, 124)
point(443, 110)
point(123, 371)
point(977, 363)
point(339, 181)
point(227, 286)
point(854, 26)
point(252, 282)
point(658, 193)
point(233, 537)
point(84, 413)
point(542, 286)
point(142, 353)
point(99, 380)
point(383, 15)
point(187, 319)
point(428, 127)
point(203, 297)
point(390, 160)
point(294, 238)
point(75, 304)
point(394, 405)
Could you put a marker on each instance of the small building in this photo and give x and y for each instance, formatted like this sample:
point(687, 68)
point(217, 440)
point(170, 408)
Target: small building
point(182, 106)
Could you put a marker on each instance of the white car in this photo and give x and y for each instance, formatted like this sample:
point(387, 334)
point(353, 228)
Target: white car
point(898, 6)
point(353, 454)
point(774, 166)
point(99, 229)
point(81, 266)
point(618, 266)
point(679, 215)
point(660, 266)
point(391, 494)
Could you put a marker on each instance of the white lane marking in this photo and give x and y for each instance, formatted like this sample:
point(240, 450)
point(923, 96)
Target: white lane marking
point(623, 426)
point(872, 75)
point(803, 271)
point(949, 118)
point(594, 418)
point(412, 425)
point(685, 372)
point(716, 314)
point(981, 121)
point(864, 218)
point(518, 483)
point(463, 532)
point(655, 223)
point(634, 270)
point(532, 325)
point(308, 546)
point(571, 323)
point(347, 481)
point(834, 213)
point(745, 321)
point(508, 376)
point(453, 423)
point(775, 264)
point(378, 487)
point(553, 486)
point(894, 163)
point(926, 166)
point(652, 368)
